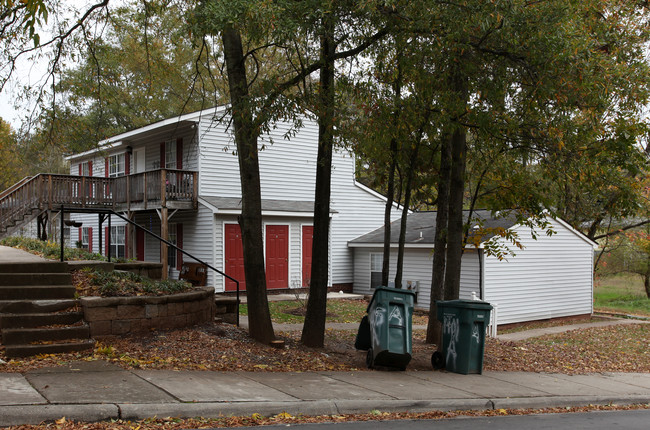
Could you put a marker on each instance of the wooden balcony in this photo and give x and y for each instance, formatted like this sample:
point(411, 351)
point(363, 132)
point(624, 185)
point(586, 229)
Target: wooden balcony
point(174, 189)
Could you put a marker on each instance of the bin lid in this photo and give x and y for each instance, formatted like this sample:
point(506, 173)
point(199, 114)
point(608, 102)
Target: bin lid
point(466, 304)
point(391, 290)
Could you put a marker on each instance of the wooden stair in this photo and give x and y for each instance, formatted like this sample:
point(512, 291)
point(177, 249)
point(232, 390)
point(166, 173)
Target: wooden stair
point(38, 311)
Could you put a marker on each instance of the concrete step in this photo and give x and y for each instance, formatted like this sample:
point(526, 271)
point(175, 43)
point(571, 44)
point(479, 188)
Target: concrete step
point(37, 292)
point(35, 306)
point(25, 350)
point(18, 336)
point(17, 279)
point(34, 267)
point(8, 321)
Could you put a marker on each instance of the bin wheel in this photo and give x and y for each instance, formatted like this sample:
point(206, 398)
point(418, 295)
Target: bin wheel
point(370, 359)
point(437, 360)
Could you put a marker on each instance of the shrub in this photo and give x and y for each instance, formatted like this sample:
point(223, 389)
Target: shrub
point(49, 249)
point(115, 283)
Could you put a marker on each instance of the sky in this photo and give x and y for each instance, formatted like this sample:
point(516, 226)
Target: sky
point(32, 72)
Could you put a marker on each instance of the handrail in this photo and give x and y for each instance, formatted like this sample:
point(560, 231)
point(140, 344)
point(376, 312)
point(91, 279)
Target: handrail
point(15, 186)
point(140, 190)
point(108, 239)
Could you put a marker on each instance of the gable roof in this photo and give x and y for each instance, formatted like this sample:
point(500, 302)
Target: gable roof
point(421, 228)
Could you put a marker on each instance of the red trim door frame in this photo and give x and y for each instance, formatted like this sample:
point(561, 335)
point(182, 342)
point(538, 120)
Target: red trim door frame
point(307, 243)
point(234, 257)
point(277, 256)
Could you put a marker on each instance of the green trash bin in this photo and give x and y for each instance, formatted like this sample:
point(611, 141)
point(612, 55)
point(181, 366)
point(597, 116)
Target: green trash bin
point(390, 314)
point(464, 323)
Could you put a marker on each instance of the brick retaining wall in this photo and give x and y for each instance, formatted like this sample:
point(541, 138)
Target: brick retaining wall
point(122, 315)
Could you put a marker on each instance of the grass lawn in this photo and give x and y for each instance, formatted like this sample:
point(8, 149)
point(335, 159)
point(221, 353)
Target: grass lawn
point(338, 311)
point(622, 293)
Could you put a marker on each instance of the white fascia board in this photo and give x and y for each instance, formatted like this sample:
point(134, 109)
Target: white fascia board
point(116, 141)
point(395, 245)
point(563, 224)
point(376, 194)
point(577, 233)
point(392, 245)
point(93, 151)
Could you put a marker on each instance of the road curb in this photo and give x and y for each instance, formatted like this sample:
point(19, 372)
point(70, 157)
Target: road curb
point(568, 401)
point(36, 414)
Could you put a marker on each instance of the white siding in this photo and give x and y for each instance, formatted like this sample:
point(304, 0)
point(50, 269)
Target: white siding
point(418, 265)
point(287, 167)
point(551, 277)
point(288, 172)
point(151, 143)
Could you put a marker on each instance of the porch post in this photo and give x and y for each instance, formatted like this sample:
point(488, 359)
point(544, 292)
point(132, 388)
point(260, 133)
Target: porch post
point(164, 233)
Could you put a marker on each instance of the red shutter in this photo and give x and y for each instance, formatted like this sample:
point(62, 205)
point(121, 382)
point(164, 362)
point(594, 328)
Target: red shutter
point(179, 153)
point(127, 163)
point(90, 239)
point(90, 168)
point(179, 243)
point(162, 155)
point(80, 234)
point(106, 170)
point(106, 241)
point(80, 169)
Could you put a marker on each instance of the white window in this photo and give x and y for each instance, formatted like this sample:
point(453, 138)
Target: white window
point(170, 154)
point(118, 241)
point(116, 165)
point(171, 252)
point(66, 235)
point(85, 237)
point(376, 262)
point(85, 168)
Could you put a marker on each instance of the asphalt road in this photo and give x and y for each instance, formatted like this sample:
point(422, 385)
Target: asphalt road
point(628, 420)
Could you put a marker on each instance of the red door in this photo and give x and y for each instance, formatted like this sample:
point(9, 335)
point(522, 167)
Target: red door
point(277, 256)
point(139, 244)
point(307, 241)
point(234, 250)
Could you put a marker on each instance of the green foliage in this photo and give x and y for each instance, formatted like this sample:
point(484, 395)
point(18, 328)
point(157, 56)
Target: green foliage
point(115, 283)
point(162, 76)
point(10, 156)
point(49, 249)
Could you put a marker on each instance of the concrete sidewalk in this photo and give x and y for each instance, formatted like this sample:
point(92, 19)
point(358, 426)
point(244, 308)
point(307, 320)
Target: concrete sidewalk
point(95, 391)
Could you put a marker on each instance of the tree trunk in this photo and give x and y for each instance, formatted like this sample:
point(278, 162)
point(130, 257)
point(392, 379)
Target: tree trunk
point(390, 195)
point(455, 223)
point(434, 327)
point(250, 220)
point(313, 332)
point(405, 209)
point(646, 283)
point(390, 192)
point(456, 189)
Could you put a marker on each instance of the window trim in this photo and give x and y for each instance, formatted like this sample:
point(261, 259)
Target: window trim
point(170, 154)
point(172, 237)
point(381, 259)
point(114, 165)
point(115, 245)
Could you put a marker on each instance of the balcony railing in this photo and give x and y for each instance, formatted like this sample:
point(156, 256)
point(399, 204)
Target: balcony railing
point(146, 190)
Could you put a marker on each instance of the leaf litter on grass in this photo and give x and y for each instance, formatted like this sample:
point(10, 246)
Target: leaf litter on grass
point(623, 348)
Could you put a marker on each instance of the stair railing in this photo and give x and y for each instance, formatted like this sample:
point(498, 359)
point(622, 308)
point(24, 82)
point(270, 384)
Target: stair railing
point(150, 233)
